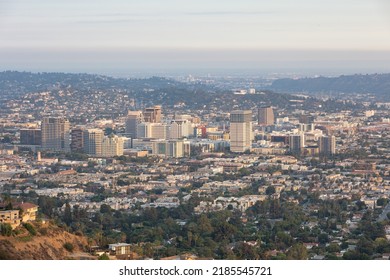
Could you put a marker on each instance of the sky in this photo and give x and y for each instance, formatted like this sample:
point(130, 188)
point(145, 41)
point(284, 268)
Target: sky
point(124, 37)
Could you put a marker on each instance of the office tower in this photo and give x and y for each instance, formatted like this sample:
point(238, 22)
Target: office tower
point(297, 143)
point(160, 131)
point(306, 127)
point(327, 145)
point(55, 134)
point(112, 146)
point(144, 130)
point(180, 129)
point(172, 148)
point(266, 116)
point(240, 131)
point(153, 114)
point(306, 119)
point(93, 139)
point(133, 119)
point(77, 142)
point(31, 137)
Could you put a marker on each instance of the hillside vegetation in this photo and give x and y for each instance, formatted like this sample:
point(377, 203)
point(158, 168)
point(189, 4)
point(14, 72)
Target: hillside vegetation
point(376, 84)
point(49, 243)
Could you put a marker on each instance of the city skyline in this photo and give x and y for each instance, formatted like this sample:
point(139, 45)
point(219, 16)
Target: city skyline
point(126, 37)
point(141, 169)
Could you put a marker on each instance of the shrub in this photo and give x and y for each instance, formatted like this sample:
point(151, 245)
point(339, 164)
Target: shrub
point(30, 228)
point(43, 231)
point(104, 257)
point(5, 229)
point(68, 247)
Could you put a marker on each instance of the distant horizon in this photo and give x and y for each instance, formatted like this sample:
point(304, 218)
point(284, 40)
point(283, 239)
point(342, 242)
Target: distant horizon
point(138, 38)
point(203, 73)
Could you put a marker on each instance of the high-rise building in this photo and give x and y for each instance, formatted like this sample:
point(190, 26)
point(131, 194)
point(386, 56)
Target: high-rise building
point(93, 139)
point(305, 118)
point(304, 127)
point(133, 119)
point(266, 116)
point(31, 137)
point(112, 146)
point(153, 114)
point(144, 130)
point(180, 128)
point(327, 145)
point(160, 131)
point(297, 143)
point(55, 134)
point(77, 142)
point(240, 131)
point(172, 148)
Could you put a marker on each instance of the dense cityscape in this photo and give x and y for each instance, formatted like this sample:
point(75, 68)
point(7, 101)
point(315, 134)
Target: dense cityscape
point(190, 168)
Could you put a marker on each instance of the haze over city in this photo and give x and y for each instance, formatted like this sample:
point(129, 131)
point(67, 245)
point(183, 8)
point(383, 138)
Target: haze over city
point(195, 130)
point(155, 37)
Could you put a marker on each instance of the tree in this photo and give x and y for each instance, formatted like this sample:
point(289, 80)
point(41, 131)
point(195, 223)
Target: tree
point(48, 204)
point(68, 214)
point(297, 252)
point(381, 245)
point(204, 225)
point(244, 251)
point(382, 201)
point(323, 238)
point(360, 205)
point(270, 190)
point(333, 248)
point(104, 208)
point(365, 246)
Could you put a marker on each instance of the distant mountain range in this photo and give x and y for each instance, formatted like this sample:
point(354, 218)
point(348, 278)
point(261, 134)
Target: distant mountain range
point(167, 92)
point(14, 83)
point(154, 90)
point(376, 84)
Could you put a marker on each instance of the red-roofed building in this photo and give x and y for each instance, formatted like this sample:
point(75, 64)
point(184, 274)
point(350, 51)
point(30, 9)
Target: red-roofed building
point(29, 211)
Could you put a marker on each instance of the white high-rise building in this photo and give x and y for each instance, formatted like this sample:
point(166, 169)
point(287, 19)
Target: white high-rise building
point(112, 146)
point(240, 131)
point(55, 134)
point(172, 148)
point(180, 129)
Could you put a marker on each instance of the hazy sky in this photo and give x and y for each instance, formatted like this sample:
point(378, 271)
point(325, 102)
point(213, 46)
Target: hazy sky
point(127, 36)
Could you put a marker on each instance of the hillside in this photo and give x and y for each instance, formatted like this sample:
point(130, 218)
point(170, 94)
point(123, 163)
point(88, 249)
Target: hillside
point(14, 84)
point(47, 244)
point(376, 84)
point(86, 96)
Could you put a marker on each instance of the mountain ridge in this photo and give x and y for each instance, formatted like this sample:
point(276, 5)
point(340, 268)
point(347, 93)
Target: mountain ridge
point(376, 84)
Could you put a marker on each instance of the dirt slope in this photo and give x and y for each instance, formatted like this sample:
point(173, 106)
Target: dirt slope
point(47, 244)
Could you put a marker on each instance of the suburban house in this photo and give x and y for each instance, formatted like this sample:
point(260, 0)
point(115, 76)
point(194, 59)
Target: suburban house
point(10, 217)
point(20, 213)
point(29, 211)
